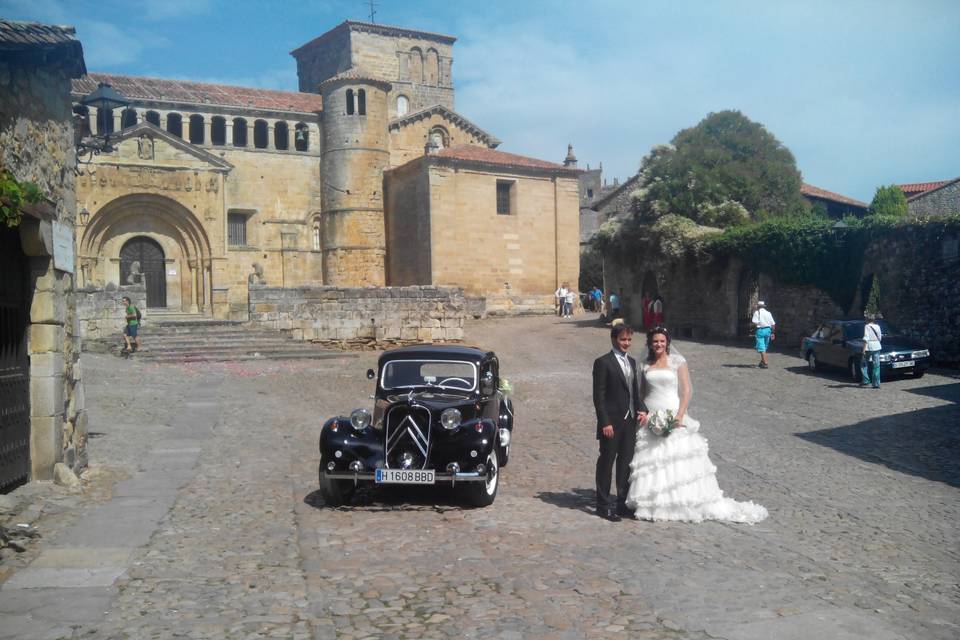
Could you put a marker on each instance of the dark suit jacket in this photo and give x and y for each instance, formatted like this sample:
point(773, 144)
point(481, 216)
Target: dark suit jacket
point(611, 396)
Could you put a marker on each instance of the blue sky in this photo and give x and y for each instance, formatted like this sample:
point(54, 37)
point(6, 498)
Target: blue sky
point(863, 92)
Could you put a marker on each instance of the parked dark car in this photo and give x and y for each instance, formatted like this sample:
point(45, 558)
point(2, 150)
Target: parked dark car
point(441, 416)
point(839, 343)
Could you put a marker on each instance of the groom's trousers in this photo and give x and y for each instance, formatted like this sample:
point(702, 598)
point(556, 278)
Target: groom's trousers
point(615, 455)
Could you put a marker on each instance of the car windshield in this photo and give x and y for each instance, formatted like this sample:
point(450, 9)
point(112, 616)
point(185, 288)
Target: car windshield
point(440, 374)
point(854, 330)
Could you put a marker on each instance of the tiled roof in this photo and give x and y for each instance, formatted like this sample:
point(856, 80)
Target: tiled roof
point(483, 155)
point(816, 192)
point(449, 114)
point(914, 188)
point(27, 36)
point(353, 75)
point(934, 186)
point(201, 93)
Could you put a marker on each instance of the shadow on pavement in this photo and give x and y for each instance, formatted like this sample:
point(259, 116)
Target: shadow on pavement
point(576, 499)
point(378, 499)
point(948, 392)
point(741, 366)
point(923, 443)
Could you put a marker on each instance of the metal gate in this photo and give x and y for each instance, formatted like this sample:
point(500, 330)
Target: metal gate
point(748, 293)
point(149, 256)
point(14, 363)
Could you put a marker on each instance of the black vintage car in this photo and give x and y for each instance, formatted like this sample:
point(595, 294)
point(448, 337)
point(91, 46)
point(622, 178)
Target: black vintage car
point(441, 415)
point(839, 343)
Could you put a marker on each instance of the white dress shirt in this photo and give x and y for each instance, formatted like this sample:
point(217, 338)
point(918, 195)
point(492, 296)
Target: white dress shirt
point(763, 319)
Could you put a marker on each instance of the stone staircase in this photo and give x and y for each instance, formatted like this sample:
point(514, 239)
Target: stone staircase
point(182, 337)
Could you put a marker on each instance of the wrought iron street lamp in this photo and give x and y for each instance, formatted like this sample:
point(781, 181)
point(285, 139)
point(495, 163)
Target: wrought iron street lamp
point(104, 99)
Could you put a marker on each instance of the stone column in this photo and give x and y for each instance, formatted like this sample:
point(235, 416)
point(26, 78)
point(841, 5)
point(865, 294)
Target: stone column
point(195, 287)
point(208, 130)
point(208, 286)
point(271, 142)
point(117, 120)
point(228, 132)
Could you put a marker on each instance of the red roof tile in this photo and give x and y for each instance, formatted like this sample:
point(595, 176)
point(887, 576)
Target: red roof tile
point(914, 188)
point(816, 192)
point(201, 93)
point(33, 36)
point(473, 153)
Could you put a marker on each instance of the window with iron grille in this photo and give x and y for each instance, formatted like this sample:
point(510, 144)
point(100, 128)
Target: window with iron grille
point(237, 229)
point(504, 197)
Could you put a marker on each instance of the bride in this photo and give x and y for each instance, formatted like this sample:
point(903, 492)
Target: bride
point(672, 477)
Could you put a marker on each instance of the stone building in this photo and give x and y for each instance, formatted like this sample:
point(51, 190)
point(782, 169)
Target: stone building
point(834, 205)
point(933, 198)
point(213, 187)
point(499, 225)
point(42, 416)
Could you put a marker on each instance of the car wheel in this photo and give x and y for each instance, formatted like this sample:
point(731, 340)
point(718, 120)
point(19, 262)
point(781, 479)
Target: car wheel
point(335, 492)
point(482, 494)
point(812, 363)
point(918, 373)
point(854, 369)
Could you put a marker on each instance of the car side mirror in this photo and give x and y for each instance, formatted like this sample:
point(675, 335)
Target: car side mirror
point(486, 384)
point(371, 374)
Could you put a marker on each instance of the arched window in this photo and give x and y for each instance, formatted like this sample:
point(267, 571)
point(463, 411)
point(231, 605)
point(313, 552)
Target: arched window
point(218, 130)
point(316, 234)
point(239, 132)
point(175, 124)
point(260, 137)
point(301, 138)
point(128, 118)
point(349, 102)
point(104, 121)
point(416, 65)
point(439, 137)
point(361, 102)
point(196, 129)
point(153, 118)
point(403, 106)
point(431, 68)
point(281, 136)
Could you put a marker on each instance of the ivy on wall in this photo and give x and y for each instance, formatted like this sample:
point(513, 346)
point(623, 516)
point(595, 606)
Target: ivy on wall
point(13, 195)
point(797, 250)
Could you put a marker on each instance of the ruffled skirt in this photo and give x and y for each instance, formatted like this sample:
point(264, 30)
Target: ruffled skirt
point(672, 478)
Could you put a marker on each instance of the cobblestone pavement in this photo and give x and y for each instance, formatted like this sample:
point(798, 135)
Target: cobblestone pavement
point(862, 488)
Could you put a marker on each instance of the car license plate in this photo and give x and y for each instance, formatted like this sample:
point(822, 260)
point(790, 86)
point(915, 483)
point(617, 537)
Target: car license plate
point(901, 365)
point(404, 476)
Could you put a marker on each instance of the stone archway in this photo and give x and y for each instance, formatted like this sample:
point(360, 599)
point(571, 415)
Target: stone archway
point(171, 227)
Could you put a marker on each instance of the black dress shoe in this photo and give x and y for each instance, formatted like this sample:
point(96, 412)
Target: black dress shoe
point(625, 512)
point(609, 514)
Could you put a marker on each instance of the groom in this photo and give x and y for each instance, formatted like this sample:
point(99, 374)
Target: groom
point(616, 398)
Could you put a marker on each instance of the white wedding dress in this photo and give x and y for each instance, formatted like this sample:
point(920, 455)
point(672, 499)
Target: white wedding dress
point(672, 478)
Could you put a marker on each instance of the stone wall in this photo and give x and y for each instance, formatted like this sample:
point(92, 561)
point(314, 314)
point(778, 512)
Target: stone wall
point(383, 314)
point(944, 201)
point(36, 145)
point(100, 314)
point(917, 268)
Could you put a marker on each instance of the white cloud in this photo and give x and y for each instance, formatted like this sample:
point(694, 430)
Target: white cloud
point(106, 46)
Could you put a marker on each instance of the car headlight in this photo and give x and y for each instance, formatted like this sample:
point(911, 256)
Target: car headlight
point(885, 357)
point(450, 418)
point(360, 419)
point(923, 353)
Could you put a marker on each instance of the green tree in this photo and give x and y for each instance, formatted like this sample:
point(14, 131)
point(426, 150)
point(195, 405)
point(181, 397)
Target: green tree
point(873, 300)
point(724, 171)
point(889, 201)
point(591, 269)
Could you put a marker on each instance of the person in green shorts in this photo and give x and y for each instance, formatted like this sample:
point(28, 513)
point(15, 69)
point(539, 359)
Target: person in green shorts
point(132, 329)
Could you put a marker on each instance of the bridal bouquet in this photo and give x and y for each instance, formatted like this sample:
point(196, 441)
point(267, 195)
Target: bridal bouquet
point(662, 422)
point(506, 387)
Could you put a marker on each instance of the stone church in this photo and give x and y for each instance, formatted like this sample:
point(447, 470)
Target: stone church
point(365, 177)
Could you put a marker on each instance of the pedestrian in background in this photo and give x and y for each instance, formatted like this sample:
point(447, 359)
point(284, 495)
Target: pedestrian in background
point(132, 328)
point(571, 301)
point(614, 306)
point(765, 331)
point(561, 296)
point(872, 335)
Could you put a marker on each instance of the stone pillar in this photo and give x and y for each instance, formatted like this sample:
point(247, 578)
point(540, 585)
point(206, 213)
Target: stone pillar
point(194, 287)
point(117, 120)
point(208, 130)
point(208, 286)
point(228, 132)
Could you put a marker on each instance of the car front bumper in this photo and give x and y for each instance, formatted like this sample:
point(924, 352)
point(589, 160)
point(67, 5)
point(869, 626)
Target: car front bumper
point(368, 476)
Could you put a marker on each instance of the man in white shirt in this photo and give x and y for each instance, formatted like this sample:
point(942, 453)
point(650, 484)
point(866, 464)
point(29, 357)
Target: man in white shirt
point(871, 353)
point(764, 334)
point(561, 296)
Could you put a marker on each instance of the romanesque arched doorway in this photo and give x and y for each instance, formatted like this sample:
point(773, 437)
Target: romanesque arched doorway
point(144, 255)
point(748, 294)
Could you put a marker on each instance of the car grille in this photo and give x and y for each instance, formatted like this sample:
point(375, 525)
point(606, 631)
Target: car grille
point(407, 437)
